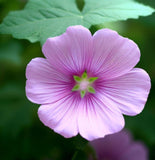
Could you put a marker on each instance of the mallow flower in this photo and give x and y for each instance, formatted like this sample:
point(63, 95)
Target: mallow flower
point(119, 146)
point(86, 83)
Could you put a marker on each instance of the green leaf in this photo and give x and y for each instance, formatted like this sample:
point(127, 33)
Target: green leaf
point(102, 11)
point(42, 19)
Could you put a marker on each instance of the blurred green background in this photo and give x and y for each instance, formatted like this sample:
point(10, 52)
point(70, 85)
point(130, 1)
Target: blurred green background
point(22, 135)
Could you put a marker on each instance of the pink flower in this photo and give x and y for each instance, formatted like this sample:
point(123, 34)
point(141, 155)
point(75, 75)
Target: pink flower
point(86, 82)
point(119, 146)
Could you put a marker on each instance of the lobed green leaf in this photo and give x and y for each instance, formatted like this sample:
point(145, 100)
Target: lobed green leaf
point(42, 19)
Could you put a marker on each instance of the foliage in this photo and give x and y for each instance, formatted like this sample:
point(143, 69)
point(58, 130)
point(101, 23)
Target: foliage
point(42, 19)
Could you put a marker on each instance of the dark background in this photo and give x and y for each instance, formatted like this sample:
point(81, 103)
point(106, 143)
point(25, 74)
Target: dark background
point(22, 135)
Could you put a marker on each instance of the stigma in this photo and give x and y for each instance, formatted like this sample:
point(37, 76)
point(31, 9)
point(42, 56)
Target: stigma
point(84, 84)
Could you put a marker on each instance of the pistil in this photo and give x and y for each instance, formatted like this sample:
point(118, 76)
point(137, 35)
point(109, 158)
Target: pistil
point(84, 84)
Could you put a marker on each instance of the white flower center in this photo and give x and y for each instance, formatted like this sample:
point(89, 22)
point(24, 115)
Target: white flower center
point(84, 84)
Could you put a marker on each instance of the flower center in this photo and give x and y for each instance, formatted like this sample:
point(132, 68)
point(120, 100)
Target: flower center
point(84, 84)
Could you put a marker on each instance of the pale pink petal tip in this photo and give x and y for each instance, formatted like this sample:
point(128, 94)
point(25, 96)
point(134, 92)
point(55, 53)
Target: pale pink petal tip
point(118, 89)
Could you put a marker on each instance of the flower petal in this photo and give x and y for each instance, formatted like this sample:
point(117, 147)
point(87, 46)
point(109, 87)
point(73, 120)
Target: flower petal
point(61, 116)
point(135, 151)
point(107, 147)
point(114, 55)
point(70, 115)
point(129, 92)
point(70, 50)
point(44, 84)
point(96, 120)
